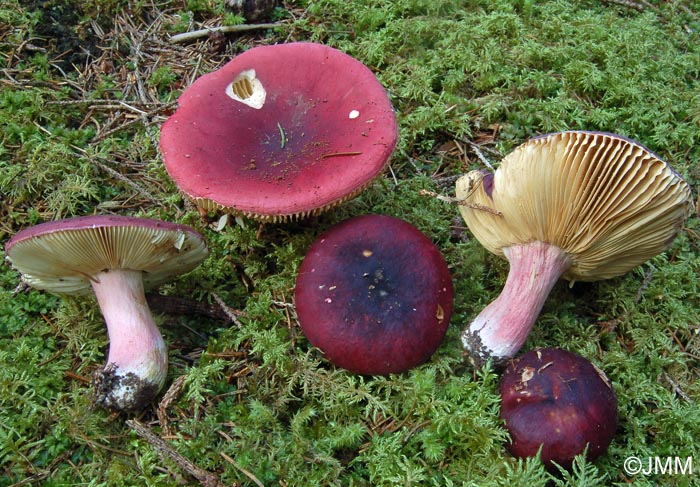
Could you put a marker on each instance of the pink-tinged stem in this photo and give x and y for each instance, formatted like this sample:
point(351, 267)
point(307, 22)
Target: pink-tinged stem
point(500, 330)
point(137, 362)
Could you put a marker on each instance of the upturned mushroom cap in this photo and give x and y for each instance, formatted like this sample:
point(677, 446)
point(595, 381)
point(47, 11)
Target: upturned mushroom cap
point(63, 256)
point(375, 295)
point(608, 202)
point(280, 132)
point(116, 257)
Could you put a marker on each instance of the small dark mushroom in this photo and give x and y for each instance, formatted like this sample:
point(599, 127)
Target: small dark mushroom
point(558, 401)
point(375, 295)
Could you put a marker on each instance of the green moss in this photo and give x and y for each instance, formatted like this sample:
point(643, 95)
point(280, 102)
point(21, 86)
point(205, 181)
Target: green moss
point(488, 72)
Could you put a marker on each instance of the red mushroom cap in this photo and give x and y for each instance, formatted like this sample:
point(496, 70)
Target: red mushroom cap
point(375, 295)
point(279, 132)
point(559, 401)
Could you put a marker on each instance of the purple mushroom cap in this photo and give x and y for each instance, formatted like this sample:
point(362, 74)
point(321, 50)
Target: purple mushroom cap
point(560, 402)
point(375, 295)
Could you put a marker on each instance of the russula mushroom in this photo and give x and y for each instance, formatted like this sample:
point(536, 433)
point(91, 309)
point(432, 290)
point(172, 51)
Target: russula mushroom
point(560, 402)
point(117, 257)
point(578, 205)
point(375, 295)
point(280, 132)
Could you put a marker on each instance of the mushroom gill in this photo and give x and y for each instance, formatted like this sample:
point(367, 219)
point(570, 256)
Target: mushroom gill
point(600, 203)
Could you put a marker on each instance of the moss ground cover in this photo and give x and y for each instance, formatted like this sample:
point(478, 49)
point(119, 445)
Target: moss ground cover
point(84, 89)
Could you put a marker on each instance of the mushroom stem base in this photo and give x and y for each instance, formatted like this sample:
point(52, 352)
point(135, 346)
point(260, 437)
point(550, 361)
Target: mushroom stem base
point(500, 330)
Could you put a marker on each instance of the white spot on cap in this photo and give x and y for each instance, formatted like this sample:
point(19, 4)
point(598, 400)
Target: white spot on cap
point(353, 114)
point(247, 89)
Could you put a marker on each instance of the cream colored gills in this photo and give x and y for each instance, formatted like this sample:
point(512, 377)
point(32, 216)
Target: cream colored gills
point(604, 202)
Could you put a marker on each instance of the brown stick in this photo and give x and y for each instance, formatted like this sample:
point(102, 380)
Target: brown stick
point(228, 311)
point(243, 470)
point(164, 450)
point(224, 29)
point(175, 305)
point(168, 399)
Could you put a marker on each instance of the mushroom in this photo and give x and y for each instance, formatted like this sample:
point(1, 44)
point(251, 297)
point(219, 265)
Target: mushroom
point(375, 295)
point(117, 257)
point(560, 402)
point(578, 205)
point(280, 132)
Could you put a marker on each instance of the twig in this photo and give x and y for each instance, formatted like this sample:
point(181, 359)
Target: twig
point(393, 176)
point(627, 3)
point(242, 470)
point(164, 450)
point(224, 29)
point(447, 180)
point(96, 102)
point(117, 175)
point(176, 305)
point(142, 118)
point(460, 202)
point(78, 377)
point(648, 275)
point(228, 311)
point(173, 392)
point(37, 477)
point(282, 304)
point(676, 388)
point(479, 154)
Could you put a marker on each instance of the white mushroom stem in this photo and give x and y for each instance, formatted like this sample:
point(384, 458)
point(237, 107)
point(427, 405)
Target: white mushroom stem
point(500, 330)
point(137, 362)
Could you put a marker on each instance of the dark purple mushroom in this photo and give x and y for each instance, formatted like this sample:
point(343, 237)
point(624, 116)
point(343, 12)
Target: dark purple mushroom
point(117, 257)
point(280, 132)
point(560, 402)
point(375, 295)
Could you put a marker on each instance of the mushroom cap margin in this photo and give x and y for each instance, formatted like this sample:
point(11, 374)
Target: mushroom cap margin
point(62, 256)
